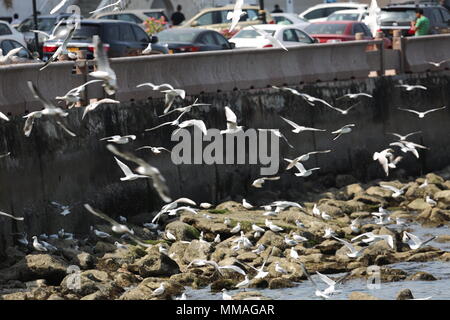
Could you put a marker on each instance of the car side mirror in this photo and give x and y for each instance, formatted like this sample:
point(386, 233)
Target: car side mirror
point(154, 39)
point(232, 45)
point(316, 40)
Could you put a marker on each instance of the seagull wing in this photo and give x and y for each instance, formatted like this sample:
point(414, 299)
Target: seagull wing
point(196, 123)
point(126, 170)
point(293, 124)
point(10, 216)
point(409, 110)
point(302, 266)
point(231, 116)
point(436, 109)
point(58, 6)
point(390, 188)
point(234, 268)
point(37, 95)
point(347, 244)
point(414, 238)
point(3, 116)
point(325, 279)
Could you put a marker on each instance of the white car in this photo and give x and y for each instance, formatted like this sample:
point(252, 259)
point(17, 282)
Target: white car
point(320, 12)
point(288, 35)
point(348, 15)
point(8, 32)
point(290, 18)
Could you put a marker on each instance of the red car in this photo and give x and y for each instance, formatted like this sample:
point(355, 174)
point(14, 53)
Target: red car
point(337, 31)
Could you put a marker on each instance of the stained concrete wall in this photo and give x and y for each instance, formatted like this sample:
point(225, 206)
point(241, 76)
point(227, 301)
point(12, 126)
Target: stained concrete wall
point(51, 166)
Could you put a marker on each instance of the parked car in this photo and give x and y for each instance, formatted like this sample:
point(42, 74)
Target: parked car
point(136, 16)
point(120, 38)
point(288, 35)
point(182, 40)
point(8, 44)
point(337, 31)
point(348, 15)
point(8, 32)
point(321, 11)
point(216, 18)
point(399, 17)
point(289, 18)
point(45, 24)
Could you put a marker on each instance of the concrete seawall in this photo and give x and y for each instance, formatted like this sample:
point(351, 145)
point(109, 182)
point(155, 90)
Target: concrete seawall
point(51, 166)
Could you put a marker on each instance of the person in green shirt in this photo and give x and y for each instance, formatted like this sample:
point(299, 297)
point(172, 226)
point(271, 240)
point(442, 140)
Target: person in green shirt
point(422, 24)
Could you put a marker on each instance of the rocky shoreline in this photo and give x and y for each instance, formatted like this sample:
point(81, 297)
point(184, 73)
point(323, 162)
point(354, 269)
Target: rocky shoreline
point(105, 272)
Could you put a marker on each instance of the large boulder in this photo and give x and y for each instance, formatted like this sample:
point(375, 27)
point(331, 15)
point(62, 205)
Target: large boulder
point(182, 231)
point(37, 266)
point(361, 296)
point(197, 250)
point(89, 282)
point(144, 291)
point(405, 294)
point(154, 264)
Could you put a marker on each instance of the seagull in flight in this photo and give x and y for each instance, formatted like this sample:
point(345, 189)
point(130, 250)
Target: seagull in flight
point(3, 116)
point(103, 71)
point(62, 49)
point(53, 35)
point(120, 139)
point(396, 192)
point(302, 171)
point(201, 263)
point(411, 87)
point(129, 175)
point(353, 252)
point(422, 115)
point(73, 96)
point(65, 209)
point(403, 138)
point(155, 150)
point(117, 6)
point(303, 158)
point(345, 129)
point(236, 14)
point(258, 183)
point(94, 105)
point(355, 96)
point(414, 241)
point(192, 123)
point(346, 111)
point(298, 128)
point(383, 158)
point(438, 64)
point(275, 42)
point(116, 227)
point(186, 109)
point(232, 126)
point(175, 122)
point(371, 237)
point(49, 110)
point(159, 182)
point(10, 216)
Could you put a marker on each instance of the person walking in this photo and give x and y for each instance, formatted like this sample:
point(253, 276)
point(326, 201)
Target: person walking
point(277, 9)
point(15, 21)
point(421, 26)
point(177, 17)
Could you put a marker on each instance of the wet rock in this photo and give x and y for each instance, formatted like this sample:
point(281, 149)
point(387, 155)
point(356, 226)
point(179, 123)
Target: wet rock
point(421, 276)
point(144, 291)
point(99, 295)
point(125, 280)
point(361, 296)
point(445, 257)
point(329, 246)
point(197, 250)
point(249, 295)
point(88, 282)
point(15, 296)
point(186, 278)
point(183, 231)
point(372, 200)
point(434, 217)
point(104, 247)
point(259, 283)
point(379, 192)
point(353, 189)
point(55, 296)
point(418, 204)
point(279, 283)
point(424, 256)
point(37, 266)
point(442, 239)
point(154, 264)
point(223, 284)
point(405, 294)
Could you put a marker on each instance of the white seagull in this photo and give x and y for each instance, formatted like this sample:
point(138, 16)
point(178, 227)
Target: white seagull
point(258, 183)
point(304, 157)
point(353, 252)
point(411, 87)
point(275, 42)
point(414, 241)
point(345, 129)
point(118, 5)
point(62, 49)
point(58, 6)
point(298, 128)
point(236, 14)
point(232, 126)
point(422, 115)
point(94, 105)
point(10, 216)
point(103, 70)
point(120, 139)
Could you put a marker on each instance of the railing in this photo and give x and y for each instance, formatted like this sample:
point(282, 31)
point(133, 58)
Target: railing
point(209, 72)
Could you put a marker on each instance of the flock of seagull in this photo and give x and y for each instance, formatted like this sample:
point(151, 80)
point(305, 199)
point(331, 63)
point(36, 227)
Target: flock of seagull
point(106, 75)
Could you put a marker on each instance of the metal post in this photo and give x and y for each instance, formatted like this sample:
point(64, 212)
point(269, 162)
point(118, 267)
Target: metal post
point(35, 20)
point(261, 8)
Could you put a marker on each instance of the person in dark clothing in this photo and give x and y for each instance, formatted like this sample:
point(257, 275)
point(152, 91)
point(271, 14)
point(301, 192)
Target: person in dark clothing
point(177, 17)
point(277, 9)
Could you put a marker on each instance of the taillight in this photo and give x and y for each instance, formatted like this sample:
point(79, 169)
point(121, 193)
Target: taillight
point(105, 45)
point(268, 46)
point(49, 49)
point(272, 22)
point(189, 49)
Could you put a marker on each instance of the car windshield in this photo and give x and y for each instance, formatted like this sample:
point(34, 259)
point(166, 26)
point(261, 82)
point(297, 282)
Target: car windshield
point(326, 28)
point(344, 17)
point(44, 24)
point(397, 15)
point(85, 32)
point(177, 36)
point(251, 34)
